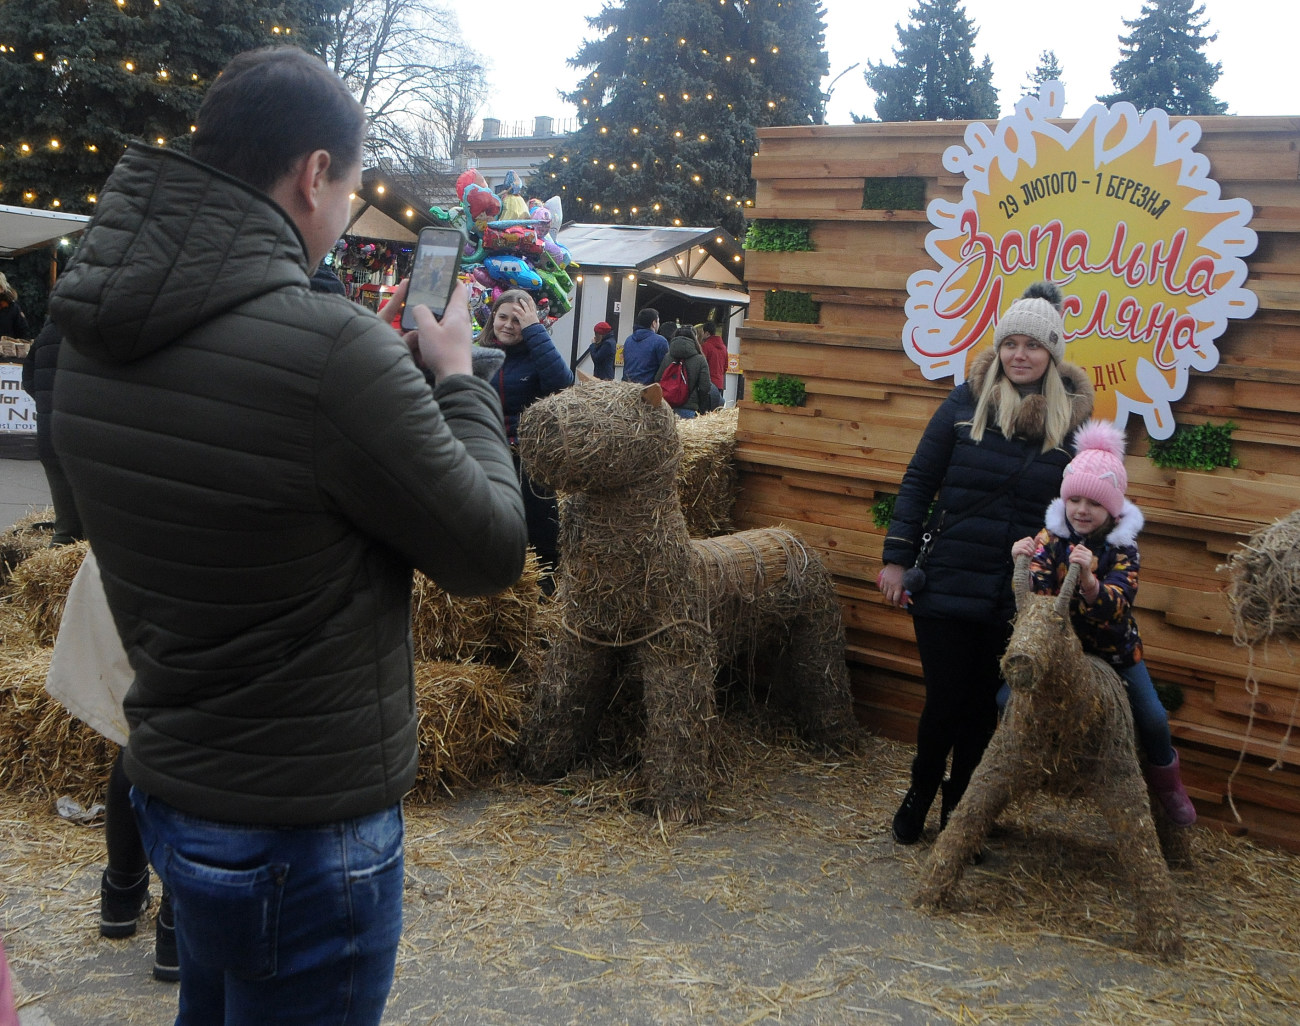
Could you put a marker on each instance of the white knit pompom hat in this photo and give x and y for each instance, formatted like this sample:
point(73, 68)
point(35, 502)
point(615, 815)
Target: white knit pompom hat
point(1036, 314)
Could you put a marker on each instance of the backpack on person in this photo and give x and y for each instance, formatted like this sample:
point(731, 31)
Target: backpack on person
point(674, 384)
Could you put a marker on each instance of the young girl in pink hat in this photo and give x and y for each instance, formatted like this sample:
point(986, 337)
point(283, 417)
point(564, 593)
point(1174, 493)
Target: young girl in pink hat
point(1093, 525)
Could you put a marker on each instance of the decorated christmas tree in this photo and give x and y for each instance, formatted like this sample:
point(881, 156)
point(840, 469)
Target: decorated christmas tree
point(670, 107)
point(79, 79)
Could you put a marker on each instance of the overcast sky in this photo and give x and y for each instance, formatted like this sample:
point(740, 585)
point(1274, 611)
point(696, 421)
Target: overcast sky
point(1256, 45)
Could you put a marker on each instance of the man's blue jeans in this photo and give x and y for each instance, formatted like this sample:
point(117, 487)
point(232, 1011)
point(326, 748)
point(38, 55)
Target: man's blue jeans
point(280, 925)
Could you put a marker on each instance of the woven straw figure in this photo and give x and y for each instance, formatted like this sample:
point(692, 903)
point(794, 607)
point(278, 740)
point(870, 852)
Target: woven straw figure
point(645, 606)
point(1067, 729)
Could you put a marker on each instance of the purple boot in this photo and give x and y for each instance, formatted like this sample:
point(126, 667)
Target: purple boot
point(1167, 783)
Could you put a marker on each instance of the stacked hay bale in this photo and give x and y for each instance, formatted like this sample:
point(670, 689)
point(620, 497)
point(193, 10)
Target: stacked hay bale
point(1264, 593)
point(30, 534)
point(475, 658)
point(44, 752)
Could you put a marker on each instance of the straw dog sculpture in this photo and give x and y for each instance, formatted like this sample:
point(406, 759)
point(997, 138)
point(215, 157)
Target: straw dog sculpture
point(1067, 729)
point(643, 604)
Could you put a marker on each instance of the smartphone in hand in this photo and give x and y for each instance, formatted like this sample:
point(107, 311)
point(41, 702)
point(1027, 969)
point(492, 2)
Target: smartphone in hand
point(433, 273)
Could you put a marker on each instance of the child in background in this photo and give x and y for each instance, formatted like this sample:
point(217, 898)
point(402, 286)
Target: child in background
point(1094, 526)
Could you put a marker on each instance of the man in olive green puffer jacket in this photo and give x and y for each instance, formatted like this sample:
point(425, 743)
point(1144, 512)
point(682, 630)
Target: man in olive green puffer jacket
point(258, 470)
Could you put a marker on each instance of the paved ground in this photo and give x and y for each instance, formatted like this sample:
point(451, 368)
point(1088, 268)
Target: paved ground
point(564, 905)
point(550, 906)
point(22, 489)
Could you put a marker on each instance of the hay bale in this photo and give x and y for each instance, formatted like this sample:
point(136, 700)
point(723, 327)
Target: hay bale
point(44, 752)
point(706, 478)
point(469, 718)
point(29, 534)
point(1264, 593)
point(39, 588)
point(491, 629)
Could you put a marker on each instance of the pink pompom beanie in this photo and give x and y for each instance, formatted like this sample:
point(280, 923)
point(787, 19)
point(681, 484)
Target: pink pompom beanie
point(1097, 472)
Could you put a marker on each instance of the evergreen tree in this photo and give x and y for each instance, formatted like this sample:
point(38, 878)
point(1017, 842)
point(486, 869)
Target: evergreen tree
point(1162, 63)
point(934, 76)
point(1048, 70)
point(670, 107)
point(81, 78)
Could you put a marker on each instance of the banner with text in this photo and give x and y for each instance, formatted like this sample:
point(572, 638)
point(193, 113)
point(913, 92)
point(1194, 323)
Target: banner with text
point(17, 410)
point(1120, 212)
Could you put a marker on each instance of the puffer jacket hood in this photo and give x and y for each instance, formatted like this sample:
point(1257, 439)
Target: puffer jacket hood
point(680, 347)
point(139, 283)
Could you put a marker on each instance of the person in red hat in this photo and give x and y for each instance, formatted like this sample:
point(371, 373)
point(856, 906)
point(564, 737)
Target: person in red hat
point(601, 351)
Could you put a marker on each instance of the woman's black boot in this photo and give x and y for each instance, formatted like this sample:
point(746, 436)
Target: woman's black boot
point(909, 820)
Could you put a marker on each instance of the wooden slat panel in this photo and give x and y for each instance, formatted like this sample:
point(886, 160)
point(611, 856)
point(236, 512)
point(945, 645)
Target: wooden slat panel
point(820, 469)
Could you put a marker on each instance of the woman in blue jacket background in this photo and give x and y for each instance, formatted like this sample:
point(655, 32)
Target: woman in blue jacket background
point(533, 369)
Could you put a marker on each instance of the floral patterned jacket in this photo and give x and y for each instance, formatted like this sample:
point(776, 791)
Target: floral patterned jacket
point(1105, 626)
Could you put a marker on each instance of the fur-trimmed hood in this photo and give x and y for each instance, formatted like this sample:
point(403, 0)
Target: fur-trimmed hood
point(1124, 531)
point(1031, 417)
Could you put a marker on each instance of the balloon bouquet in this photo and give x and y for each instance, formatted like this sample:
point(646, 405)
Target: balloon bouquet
point(510, 244)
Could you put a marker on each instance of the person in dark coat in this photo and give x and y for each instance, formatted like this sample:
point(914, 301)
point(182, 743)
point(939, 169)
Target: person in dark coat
point(259, 469)
point(990, 461)
point(324, 279)
point(13, 322)
point(683, 348)
point(38, 381)
point(644, 349)
point(533, 369)
point(602, 351)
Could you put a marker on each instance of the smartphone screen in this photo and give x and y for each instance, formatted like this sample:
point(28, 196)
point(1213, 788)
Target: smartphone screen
point(433, 274)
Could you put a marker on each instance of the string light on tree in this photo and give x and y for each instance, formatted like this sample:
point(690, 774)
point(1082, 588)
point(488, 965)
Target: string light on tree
point(680, 60)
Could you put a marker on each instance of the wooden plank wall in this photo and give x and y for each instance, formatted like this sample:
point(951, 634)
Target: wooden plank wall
point(818, 468)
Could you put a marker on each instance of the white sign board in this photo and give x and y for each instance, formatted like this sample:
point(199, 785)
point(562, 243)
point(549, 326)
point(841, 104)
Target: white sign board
point(17, 409)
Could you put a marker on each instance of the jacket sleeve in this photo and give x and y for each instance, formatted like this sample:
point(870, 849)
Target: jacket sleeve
point(701, 383)
point(553, 373)
point(925, 472)
point(429, 474)
point(1118, 589)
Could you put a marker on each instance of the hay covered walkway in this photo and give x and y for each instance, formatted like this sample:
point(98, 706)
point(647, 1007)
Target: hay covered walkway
point(562, 904)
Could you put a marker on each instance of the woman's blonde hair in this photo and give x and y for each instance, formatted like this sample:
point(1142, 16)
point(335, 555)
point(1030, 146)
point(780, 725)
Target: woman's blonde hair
point(999, 396)
point(7, 290)
point(489, 335)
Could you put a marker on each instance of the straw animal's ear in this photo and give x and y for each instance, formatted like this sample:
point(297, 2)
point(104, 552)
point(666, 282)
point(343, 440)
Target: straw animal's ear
point(652, 395)
point(1066, 595)
point(1020, 580)
point(583, 376)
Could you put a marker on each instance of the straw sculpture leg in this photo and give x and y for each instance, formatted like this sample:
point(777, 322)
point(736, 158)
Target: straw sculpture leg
point(1001, 776)
point(1124, 804)
point(571, 696)
point(818, 684)
point(681, 722)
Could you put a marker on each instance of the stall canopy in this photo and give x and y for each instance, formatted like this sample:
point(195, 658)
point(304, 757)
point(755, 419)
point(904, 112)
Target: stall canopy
point(703, 293)
point(702, 264)
point(23, 229)
point(381, 211)
point(641, 247)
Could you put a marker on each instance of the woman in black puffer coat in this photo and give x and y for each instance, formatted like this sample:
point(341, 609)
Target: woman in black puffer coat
point(990, 460)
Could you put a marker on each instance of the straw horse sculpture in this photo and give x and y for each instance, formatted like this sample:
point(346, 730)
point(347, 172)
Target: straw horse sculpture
point(1067, 729)
point(643, 604)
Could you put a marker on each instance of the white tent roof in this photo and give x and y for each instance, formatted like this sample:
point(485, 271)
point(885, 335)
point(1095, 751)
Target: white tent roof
point(23, 229)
